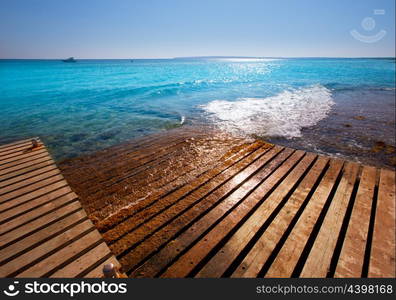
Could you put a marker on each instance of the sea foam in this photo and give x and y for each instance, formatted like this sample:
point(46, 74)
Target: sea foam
point(285, 114)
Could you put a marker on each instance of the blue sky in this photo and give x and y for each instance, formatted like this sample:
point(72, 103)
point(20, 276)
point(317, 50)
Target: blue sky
point(173, 28)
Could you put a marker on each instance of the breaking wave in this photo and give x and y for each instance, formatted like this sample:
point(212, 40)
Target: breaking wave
point(284, 115)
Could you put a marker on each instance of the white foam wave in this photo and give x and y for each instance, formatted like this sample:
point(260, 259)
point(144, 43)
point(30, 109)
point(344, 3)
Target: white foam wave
point(282, 115)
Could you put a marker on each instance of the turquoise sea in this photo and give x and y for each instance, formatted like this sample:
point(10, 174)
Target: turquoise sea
point(335, 106)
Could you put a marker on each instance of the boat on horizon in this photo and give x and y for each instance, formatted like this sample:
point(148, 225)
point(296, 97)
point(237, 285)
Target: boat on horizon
point(70, 59)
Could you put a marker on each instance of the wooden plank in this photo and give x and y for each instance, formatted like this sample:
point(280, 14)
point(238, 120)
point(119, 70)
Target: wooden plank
point(33, 240)
point(161, 186)
point(196, 193)
point(98, 271)
point(26, 207)
point(9, 208)
point(319, 258)
point(350, 262)
point(129, 165)
point(21, 154)
point(382, 256)
point(195, 219)
point(288, 256)
point(161, 259)
point(41, 222)
point(138, 165)
point(37, 254)
point(19, 157)
point(20, 185)
point(18, 143)
point(43, 227)
point(35, 213)
point(24, 178)
point(176, 194)
point(28, 189)
point(4, 169)
point(182, 214)
point(83, 262)
point(4, 174)
point(219, 263)
point(50, 263)
point(187, 262)
point(14, 152)
point(15, 148)
point(254, 261)
point(41, 163)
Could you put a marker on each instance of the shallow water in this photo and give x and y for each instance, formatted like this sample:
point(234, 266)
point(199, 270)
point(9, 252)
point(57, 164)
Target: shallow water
point(344, 107)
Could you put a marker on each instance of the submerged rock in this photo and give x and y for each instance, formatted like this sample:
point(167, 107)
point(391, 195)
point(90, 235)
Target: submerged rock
point(78, 137)
point(108, 134)
point(378, 146)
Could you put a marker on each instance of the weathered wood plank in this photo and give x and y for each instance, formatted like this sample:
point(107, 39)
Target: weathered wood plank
point(38, 165)
point(288, 256)
point(50, 263)
point(33, 240)
point(185, 189)
point(253, 262)
point(25, 178)
point(18, 143)
point(41, 222)
point(17, 206)
point(318, 261)
point(219, 263)
point(83, 262)
point(23, 162)
point(37, 212)
point(167, 254)
point(15, 148)
point(37, 254)
point(44, 181)
point(382, 256)
point(174, 206)
point(19, 169)
point(43, 227)
point(21, 153)
point(350, 262)
point(19, 157)
point(187, 210)
point(256, 202)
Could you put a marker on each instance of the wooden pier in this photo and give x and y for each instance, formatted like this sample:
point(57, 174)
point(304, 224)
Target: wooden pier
point(168, 208)
point(194, 204)
point(44, 231)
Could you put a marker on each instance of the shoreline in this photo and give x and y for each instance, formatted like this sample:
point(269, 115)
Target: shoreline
point(376, 153)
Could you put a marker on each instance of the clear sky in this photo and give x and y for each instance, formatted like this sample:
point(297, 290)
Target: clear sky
point(173, 28)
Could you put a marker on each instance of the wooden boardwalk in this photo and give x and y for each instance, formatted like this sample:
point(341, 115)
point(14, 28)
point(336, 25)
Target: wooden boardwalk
point(44, 232)
point(259, 210)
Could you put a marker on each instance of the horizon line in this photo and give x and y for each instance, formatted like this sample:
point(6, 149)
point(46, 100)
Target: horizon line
point(208, 56)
